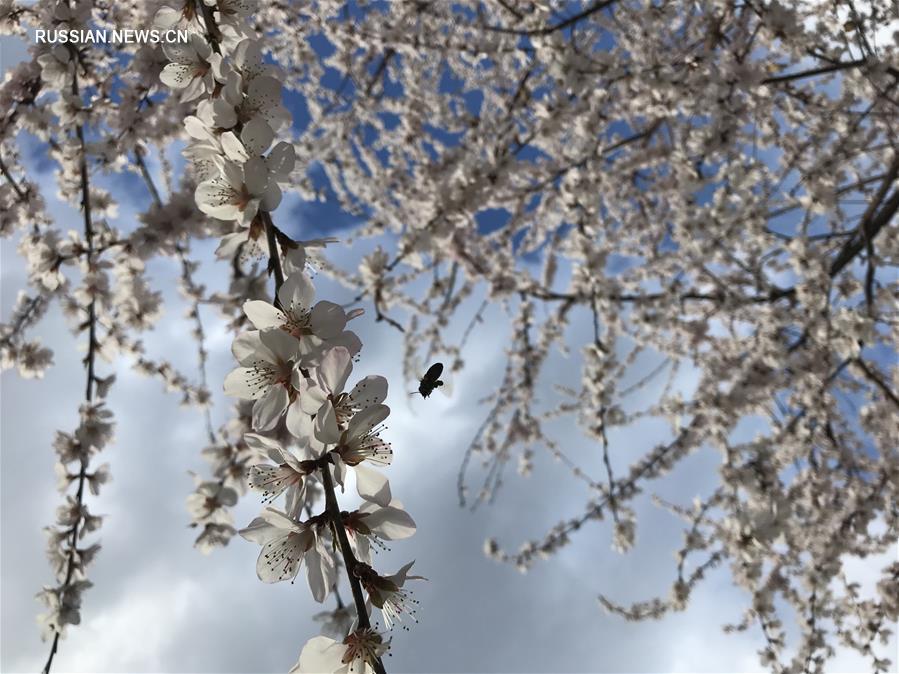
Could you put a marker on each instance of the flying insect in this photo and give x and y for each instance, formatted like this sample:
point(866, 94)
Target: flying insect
point(431, 380)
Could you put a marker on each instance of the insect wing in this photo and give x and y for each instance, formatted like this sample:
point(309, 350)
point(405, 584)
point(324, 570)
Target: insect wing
point(416, 370)
point(433, 373)
point(447, 378)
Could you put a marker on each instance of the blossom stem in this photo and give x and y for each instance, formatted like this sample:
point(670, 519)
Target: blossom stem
point(213, 34)
point(349, 560)
point(15, 186)
point(23, 319)
point(274, 260)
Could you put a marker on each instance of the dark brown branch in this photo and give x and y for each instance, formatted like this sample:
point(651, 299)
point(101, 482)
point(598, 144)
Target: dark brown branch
point(814, 72)
point(877, 381)
point(274, 259)
point(349, 560)
point(872, 221)
point(380, 315)
point(561, 25)
point(20, 193)
point(382, 66)
point(22, 320)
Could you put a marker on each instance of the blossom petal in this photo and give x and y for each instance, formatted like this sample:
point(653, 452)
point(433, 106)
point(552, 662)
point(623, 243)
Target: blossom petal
point(335, 369)
point(295, 499)
point(281, 160)
point(318, 574)
point(296, 293)
point(281, 344)
point(248, 348)
point(312, 396)
point(279, 519)
point(177, 75)
point(243, 383)
point(271, 198)
point(327, 319)
point(363, 422)
point(390, 523)
point(264, 95)
point(196, 128)
point(255, 177)
point(349, 339)
point(372, 485)
point(166, 17)
point(269, 408)
point(299, 423)
point(256, 136)
point(260, 531)
point(371, 390)
point(280, 559)
point(264, 315)
point(233, 148)
point(267, 446)
point(326, 429)
point(320, 654)
point(338, 469)
point(401, 576)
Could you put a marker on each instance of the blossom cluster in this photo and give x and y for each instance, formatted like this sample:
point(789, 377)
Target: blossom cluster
point(295, 367)
point(712, 192)
point(311, 428)
point(68, 559)
point(66, 99)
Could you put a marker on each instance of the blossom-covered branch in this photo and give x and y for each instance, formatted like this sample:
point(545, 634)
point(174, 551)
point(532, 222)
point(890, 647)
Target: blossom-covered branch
point(295, 363)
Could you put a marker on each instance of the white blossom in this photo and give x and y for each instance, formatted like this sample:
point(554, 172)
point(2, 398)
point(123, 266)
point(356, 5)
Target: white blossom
point(268, 374)
point(356, 654)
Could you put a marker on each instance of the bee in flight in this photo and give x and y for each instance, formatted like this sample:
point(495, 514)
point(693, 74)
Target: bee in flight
point(430, 381)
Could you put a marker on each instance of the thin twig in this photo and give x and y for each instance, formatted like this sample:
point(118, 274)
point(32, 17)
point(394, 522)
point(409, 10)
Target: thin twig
point(89, 358)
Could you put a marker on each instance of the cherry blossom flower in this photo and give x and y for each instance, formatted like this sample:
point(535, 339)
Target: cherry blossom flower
point(325, 399)
point(56, 66)
point(315, 326)
point(214, 536)
point(285, 542)
point(388, 593)
point(373, 524)
point(194, 67)
point(231, 11)
point(30, 359)
point(209, 502)
point(255, 138)
point(289, 473)
point(63, 607)
point(238, 192)
point(338, 622)
point(361, 440)
point(267, 374)
point(356, 654)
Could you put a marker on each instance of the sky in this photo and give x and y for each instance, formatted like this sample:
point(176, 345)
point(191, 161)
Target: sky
point(158, 605)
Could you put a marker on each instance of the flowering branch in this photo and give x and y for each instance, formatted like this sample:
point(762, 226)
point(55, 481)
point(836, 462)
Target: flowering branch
point(64, 600)
point(349, 560)
point(294, 365)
